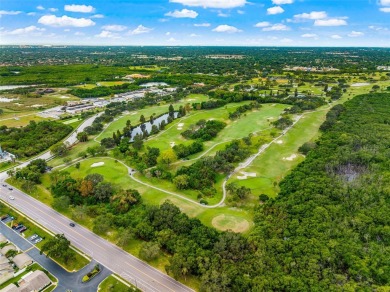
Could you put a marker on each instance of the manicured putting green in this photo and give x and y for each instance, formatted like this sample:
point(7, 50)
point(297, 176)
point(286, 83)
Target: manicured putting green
point(228, 222)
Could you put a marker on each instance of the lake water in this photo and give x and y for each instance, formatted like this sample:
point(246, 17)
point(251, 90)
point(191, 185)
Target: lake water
point(8, 87)
point(148, 125)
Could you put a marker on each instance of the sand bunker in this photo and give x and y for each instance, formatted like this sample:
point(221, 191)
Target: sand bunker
point(360, 84)
point(4, 99)
point(191, 99)
point(245, 175)
point(279, 142)
point(180, 126)
point(134, 113)
point(64, 97)
point(172, 144)
point(97, 164)
point(291, 157)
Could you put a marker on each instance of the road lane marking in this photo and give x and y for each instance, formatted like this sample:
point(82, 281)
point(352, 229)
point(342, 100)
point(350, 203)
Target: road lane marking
point(158, 273)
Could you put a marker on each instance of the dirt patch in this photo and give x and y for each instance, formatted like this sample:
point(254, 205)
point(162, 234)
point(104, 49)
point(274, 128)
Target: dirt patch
point(228, 222)
point(291, 157)
point(245, 175)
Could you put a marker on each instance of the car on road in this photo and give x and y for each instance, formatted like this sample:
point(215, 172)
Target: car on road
point(4, 185)
point(11, 197)
point(72, 224)
point(10, 188)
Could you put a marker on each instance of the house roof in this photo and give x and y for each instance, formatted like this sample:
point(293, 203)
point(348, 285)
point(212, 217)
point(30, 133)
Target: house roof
point(7, 248)
point(10, 288)
point(22, 260)
point(35, 281)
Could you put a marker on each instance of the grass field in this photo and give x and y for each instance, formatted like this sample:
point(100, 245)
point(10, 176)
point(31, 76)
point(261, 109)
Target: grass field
point(111, 284)
point(251, 122)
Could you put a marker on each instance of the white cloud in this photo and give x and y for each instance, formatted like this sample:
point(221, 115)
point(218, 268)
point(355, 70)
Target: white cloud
point(194, 35)
point(79, 8)
point(226, 28)
point(40, 7)
point(140, 30)
point(212, 3)
point(262, 24)
point(275, 10)
point(276, 27)
point(309, 35)
point(172, 40)
point(52, 20)
point(79, 33)
point(5, 12)
point(355, 34)
point(281, 2)
point(314, 15)
point(336, 37)
point(114, 27)
point(202, 24)
point(26, 30)
point(106, 34)
point(168, 33)
point(240, 12)
point(31, 13)
point(385, 9)
point(330, 22)
point(222, 14)
point(53, 9)
point(97, 16)
point(378, 28)
point(184, 13)
point(385, 2)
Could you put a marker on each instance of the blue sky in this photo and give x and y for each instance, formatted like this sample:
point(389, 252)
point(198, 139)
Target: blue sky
point(197, 22)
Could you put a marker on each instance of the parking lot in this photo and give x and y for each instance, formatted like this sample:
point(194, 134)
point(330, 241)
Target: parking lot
point(34, 239)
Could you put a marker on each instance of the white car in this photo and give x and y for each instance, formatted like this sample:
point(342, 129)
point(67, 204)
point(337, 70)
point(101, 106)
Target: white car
point(11, 198)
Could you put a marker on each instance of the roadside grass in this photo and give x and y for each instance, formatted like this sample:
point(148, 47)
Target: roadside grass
point(72, 265)
point(111, 284)
point(21, 121)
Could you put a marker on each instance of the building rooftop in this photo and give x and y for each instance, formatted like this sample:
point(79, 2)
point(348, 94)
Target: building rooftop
point(22, 260)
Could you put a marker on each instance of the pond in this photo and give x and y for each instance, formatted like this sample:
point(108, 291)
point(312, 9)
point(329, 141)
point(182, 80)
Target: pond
point(148, 125)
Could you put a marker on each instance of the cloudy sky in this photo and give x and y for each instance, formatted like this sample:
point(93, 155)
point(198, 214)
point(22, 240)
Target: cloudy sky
point(197, 22)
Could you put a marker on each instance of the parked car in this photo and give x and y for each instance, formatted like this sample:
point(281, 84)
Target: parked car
point(4, 217)
point(10, 188)
point(72, 224)
point(11, 198)
point(23, 229)
point(34, 236)
point(16, 225)
point(39, 239)
point(4, 185)
point(19, 227)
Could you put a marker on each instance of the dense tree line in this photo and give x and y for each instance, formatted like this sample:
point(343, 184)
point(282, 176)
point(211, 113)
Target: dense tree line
point(204, 130)
point(33, 138)
point(103, 90)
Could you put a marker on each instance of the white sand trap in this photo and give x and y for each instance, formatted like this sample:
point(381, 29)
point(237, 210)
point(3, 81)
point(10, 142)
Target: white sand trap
point(134, 113)
point(191, 99)
point(360, 84)
point(172, 144)
point(97, 164)
point(279, 142)
point(64, 97)
point(245, 175)
point(180, 126)
point(291, 157)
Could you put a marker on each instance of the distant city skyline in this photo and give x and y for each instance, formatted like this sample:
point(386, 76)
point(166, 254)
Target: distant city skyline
point(196, 23)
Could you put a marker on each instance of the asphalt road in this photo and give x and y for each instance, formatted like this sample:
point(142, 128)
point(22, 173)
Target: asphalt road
point(66, 280)
point(109, 255)
point(71, 139)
